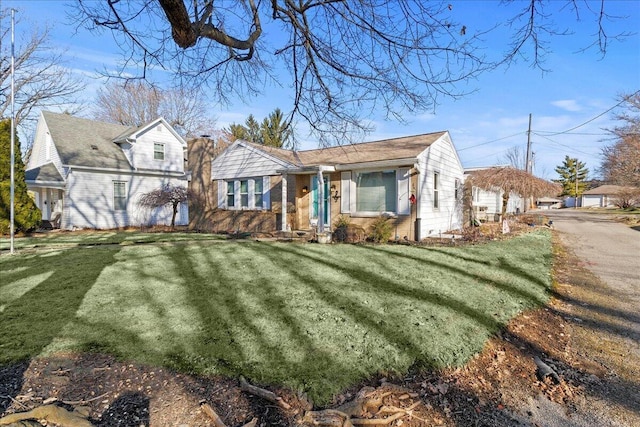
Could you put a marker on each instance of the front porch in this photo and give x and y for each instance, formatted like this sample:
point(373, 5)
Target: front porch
point(47, 187)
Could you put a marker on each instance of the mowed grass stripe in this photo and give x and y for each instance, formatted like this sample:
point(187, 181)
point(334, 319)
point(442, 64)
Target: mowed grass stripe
point(312, 317)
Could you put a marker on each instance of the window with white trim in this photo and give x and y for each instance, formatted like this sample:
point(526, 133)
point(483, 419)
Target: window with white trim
point(120, 195)
point(257, 193)
point(247, 194)
point(457, 189)
point(436, 184)
point(231, 194)
point(244, 193)
point(158, 151)
point(376, 192)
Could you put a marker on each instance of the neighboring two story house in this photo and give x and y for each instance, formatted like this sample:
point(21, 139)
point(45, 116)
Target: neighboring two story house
point(416, 181)
point(89, 174)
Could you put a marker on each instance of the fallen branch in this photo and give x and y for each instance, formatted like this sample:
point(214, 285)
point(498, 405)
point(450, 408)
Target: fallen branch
point(83, 402)
point(377, 421)
point(327, 418)
point(51, 413)
point(265, 394)
point(367, 401)
point(208, 410)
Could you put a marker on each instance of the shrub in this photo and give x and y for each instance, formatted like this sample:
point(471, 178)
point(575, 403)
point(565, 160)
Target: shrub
point(627, 198)
point(340, 226)
point(26, 214)
point(381, 230)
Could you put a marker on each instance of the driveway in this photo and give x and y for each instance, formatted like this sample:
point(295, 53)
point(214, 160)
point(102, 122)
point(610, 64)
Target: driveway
point(609, 249)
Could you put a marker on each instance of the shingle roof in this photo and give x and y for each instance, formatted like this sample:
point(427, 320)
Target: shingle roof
point(45, 173)
point(84, 142)
point(386, 149)
point(607, 189)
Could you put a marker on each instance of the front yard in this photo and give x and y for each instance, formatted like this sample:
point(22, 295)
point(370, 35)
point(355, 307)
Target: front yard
point(314, 318)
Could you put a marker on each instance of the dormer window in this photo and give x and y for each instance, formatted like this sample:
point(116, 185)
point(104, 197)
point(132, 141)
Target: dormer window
point(158, 151)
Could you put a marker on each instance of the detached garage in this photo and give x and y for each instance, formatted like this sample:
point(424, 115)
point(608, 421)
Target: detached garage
point(601, 197)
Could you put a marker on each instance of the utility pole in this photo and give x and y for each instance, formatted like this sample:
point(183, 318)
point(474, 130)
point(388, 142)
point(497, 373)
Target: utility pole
point(575, 168)
point(527, 165)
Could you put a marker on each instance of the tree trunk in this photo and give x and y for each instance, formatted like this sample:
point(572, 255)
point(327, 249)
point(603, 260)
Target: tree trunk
point(505, 202)
point(173, 216)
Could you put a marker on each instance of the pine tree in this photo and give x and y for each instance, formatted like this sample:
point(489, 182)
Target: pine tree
point(573, 174)
point(26, 214)
point(273, 131)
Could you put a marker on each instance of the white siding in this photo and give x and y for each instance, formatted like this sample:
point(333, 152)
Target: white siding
point(140, 153)
point(89, 201)
point(38, 155)
point(591, 201)
point(442, 158)
point(239, 161)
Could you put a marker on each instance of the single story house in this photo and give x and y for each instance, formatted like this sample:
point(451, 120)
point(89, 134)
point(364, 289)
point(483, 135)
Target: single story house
point(548, 203)
point(89, 174)
point(486, 205)
point(602, 196)
point(416, 181)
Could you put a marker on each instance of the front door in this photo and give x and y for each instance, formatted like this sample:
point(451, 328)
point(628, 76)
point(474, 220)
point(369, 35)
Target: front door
point(314, 201)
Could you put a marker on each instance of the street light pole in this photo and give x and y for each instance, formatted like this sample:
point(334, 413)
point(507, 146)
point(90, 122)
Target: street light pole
point(13, 137)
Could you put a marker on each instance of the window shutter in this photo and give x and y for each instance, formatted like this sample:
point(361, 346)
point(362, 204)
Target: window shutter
point(266, 193)
point(404, 205)
point(222, 194)
point(345, 188)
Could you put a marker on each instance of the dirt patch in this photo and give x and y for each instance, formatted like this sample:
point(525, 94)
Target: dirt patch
point(580, 335)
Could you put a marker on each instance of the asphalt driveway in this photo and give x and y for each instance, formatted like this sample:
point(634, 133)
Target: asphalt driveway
point(609, 249)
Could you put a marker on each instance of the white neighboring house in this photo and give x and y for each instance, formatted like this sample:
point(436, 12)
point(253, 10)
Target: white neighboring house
point(487, 204)
point(89, 174)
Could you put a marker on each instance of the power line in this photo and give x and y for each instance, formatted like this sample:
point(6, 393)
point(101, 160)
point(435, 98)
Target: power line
point(625, 99)
point(564, 145)
point(489, 142)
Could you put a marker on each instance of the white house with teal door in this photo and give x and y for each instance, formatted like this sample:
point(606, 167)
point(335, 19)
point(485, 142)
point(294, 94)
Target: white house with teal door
point(415, 182)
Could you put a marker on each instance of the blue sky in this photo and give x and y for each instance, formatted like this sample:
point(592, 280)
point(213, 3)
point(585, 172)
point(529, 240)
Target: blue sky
point(484, 124)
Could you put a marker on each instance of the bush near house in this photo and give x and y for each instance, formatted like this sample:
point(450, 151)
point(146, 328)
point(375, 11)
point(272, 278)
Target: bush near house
point(26, 215)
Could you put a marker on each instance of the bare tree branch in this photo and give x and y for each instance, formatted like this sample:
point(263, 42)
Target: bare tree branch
point(136, 103)
point(41, 80)
point(345, 58)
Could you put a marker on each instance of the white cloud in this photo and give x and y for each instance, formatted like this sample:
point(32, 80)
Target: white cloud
point(567, 104)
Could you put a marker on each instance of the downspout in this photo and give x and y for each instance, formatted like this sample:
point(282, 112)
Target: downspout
point(320, 202)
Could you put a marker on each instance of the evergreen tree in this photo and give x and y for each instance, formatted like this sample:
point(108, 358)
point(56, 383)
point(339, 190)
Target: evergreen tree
point(273, 131)
point(573, 174)
point(26, 214)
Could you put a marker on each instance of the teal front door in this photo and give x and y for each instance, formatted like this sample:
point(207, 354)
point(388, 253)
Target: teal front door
point(314, 200)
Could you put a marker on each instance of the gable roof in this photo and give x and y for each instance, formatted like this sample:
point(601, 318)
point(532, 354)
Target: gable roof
point(135, 131)
point(406, 147)
point(607, 190)
point(88, 143)
point(45, 173)
point(385, 149)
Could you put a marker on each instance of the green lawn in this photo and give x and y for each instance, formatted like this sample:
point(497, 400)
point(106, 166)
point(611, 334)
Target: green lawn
point(62, 239)
point(316, 318)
